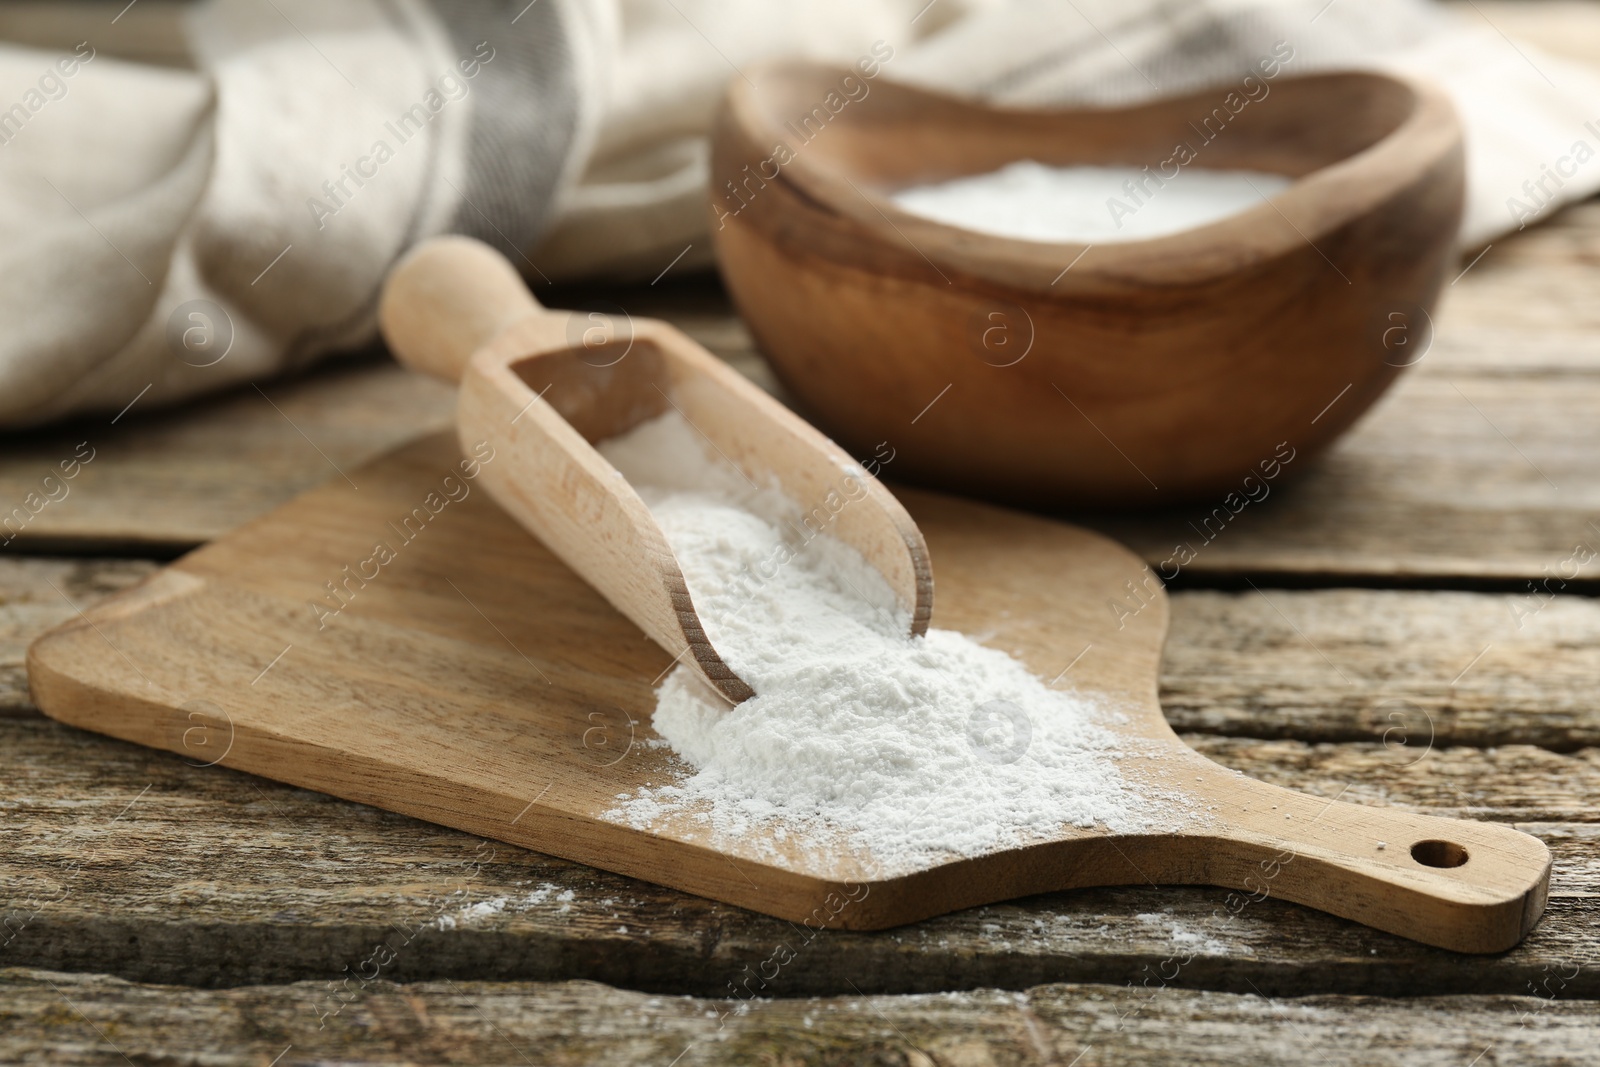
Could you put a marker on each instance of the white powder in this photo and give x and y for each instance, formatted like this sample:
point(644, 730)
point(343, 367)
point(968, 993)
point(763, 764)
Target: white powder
point(1034, 202)
point(911, 749)
point(484, 909)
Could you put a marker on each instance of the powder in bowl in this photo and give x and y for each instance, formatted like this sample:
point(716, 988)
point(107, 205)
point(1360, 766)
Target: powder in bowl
point(1033, 202)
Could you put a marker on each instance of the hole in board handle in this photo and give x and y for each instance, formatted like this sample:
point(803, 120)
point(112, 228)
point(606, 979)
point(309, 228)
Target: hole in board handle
point(1438, 853)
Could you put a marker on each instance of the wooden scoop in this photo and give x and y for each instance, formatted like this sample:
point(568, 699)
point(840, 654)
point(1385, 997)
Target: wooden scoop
point(541, 387)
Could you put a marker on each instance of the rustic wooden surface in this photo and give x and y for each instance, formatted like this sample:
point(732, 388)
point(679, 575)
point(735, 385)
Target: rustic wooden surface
point(159, 483)
point(416, 699)
point(1391, 650)
point(78, 1019)
point(247, 865)
point(214, 879)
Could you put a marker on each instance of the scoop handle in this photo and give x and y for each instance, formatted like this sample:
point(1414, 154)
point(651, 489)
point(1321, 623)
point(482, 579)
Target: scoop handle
point(447, 298)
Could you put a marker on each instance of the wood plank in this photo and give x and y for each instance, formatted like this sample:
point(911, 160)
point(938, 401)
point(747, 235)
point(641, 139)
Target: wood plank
point(162, 482)
point(1407, 669)
point(136, 863)
point(1532, 286)
point(39, 594)
point(1533, 291)
point(1477, 466)
point(1511, 783)
point(1449, 479)
point(1337, 665)
point(83, 1019)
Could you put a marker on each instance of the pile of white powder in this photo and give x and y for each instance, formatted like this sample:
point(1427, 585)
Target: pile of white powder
point(1034, 202)
point(912, 749)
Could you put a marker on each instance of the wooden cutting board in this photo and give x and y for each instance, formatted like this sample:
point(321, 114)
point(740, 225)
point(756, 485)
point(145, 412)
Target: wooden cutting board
point(397, 640)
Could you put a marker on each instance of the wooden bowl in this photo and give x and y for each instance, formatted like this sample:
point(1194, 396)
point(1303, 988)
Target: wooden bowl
point(1132, 374)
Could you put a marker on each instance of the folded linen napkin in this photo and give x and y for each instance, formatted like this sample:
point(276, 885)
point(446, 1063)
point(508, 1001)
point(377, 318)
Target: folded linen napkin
point(173, 232)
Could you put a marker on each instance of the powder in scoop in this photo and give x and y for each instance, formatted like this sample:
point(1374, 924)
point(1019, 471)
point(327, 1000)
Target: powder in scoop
point(1034, 202)
point(914, 749)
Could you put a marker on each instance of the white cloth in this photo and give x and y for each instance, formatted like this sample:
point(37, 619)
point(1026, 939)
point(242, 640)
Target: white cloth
point(168, 233)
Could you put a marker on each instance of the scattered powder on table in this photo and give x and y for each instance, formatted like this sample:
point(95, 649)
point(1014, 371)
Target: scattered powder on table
point(914, 749)
point(1035, 202)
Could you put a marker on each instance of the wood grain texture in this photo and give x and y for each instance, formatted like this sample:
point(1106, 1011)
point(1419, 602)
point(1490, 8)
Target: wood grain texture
point(438, 717)
point(39, 594)
point(1411, 670)
point(213, 877)
point(1450, 479)
point(1240, 664)
point(163, 482)
point(78, 1019)
point(1531, 288)
point(1520, 782)
point(1525, 307)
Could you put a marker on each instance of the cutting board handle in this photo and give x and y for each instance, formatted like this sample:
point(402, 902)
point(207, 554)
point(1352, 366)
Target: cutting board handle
point(447, 298)
point(1459, 884)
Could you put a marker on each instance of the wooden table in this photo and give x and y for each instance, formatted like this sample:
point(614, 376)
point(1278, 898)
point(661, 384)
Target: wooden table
point(1414, 623)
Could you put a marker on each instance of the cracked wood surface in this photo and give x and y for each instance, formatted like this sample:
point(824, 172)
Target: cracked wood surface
point(78, 1019)
point(134, 862)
